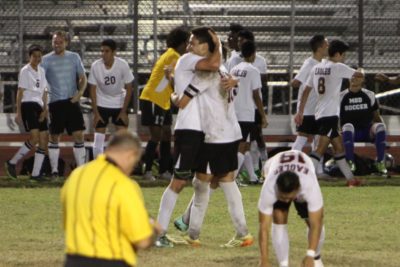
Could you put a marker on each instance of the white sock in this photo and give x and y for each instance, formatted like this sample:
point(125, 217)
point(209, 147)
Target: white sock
point(22, 151)
point(98, 144)
point(186, 214)
point(343, 166)
point(79, 153)
point(299, 143)
point(315, 158)
point(54, 153)
point(167, 206)
point(248, 165)
point(199, 207)
point(320, 242)
point(235, 206)
point(240, 164)
point(320, 169)
point(37, 163)
point(255, 155)
point(280, 242)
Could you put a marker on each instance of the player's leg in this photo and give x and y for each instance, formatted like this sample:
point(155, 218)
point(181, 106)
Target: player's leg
point(279, 232)
point(40, 152)
point(348, 141)
point(75, 125)
point(340, 160)
point(378, 132)
point(300, 142)
point(165, 153)
point(325, 127)
point(100, 130)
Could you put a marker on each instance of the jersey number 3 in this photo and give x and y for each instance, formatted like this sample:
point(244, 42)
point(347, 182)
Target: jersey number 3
point(321, 85)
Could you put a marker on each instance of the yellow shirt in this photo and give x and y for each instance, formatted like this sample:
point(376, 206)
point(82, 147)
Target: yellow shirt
point(103, 212)
point(158, 89)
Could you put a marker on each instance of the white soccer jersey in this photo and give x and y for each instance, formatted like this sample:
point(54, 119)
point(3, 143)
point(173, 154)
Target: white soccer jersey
point(34, 84)
point(326, 79)
point(302, 77)
point(302, 165)
point(259, 62)
point(217, 111)
point(110, 83)
point(249, 80)
point(189, 117)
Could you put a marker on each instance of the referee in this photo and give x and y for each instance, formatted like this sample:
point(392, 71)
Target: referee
point(104, 216)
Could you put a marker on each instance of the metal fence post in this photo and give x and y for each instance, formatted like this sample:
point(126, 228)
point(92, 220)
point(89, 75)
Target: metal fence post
point(155, 31)
point(291, 60)
point(135, 31)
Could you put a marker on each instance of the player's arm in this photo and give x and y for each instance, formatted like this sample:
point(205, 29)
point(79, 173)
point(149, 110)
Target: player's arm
point(298, 119)
point(43, 114)
point(82, 82)
point(315, 222)
point(295, 83)
point(212, 62)
point(376, 116)
point(123, 115)
point(229, 82)
point(395, 80)
point(265, 222)
point(183, 101)
point(260, 108)
point(20, 94)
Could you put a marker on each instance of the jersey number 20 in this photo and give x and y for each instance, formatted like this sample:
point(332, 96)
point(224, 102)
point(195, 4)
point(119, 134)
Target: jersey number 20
point(109, 80)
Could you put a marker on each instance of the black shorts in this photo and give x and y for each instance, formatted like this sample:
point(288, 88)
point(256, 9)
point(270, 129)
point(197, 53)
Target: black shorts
point(218, 159)
point(65, 115)
point(79, 261)
point(248, 130)
point(186, 150)
point(309, 125)
point(153, 115)
point(106, 114)
point(301, 207)
point(328, 126)
point(30, 113)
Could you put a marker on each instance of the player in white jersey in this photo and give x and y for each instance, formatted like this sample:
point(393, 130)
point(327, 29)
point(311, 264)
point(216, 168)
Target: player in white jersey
point(326, 80)
point(319, 46)
point(290, 177)
point(110, 87)
point(32, 112)
point(247, 97)
point(234, 29)
point(188, 133)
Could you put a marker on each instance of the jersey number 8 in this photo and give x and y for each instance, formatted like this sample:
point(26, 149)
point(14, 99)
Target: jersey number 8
point(321, 85)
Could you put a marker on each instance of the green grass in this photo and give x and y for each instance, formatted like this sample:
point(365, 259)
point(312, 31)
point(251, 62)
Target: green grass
point(362, 229)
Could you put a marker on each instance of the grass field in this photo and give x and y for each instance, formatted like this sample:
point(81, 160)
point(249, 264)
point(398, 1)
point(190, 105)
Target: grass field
point(362, 229)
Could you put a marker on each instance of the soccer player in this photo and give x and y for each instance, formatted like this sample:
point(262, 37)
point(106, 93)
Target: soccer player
point(104, 215)
point(319, 46)
point(326, 80)
point(156, 104)
point(32, 112)
point(222, 135)
point(63, 69)
point(234, 29)
point(110, 87)
point(189, 135)
point(290, 177)
point(361, 122)
point(247, 97)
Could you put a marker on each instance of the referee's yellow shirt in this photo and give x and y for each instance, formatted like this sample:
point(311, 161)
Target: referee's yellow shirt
point(158, 89)
point(103, 212)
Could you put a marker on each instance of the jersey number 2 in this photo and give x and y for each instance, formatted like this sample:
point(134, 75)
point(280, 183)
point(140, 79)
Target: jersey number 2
point(321, 85)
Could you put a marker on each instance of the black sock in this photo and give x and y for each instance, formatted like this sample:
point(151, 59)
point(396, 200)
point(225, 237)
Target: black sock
point(150, 154)
point(165, 156)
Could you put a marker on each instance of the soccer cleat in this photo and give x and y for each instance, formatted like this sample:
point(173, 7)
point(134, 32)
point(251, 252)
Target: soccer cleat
point(166, 176)
point(381, 168)
point(192, 242)
point(318, 263)
point(163, 242)
point(352, 165)
point(245, 241)
point(181, 225)
point(243, 176)
point(149, 176)
point(54, 175)
point(38, 178)
point(353, 182)
point(259, 174)
point(10, 170)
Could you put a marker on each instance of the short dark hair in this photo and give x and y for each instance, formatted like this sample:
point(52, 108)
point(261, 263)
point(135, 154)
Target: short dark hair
point(34, 48)
point(337, 46)
point(235, 27)
point(63, 34)
point(316, 42)
point(202, 34)
point(288, 182)
point(248, 49)
point(246, 34)
point(110, 43)
point(177, 36)
point(125, 140)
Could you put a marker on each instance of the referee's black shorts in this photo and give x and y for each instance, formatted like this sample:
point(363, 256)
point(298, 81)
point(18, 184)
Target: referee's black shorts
point(81, 261)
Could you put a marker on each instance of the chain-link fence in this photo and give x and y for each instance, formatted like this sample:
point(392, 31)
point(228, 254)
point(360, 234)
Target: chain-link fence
point(282, 30)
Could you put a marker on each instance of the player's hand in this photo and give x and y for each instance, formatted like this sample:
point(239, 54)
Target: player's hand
point(168, 71)
point(381, 77)
point(43, 116)
point(96, 119)
point(307, 262)
point(298, 119)
point(18, 118)
point(215, 39)
point(264, 122)
point(228, 82)
point(76, 97)
point(123, 116)
point(174, 98)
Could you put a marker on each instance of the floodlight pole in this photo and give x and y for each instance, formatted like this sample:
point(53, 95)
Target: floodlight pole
point(291, 61)
point(135, 32)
